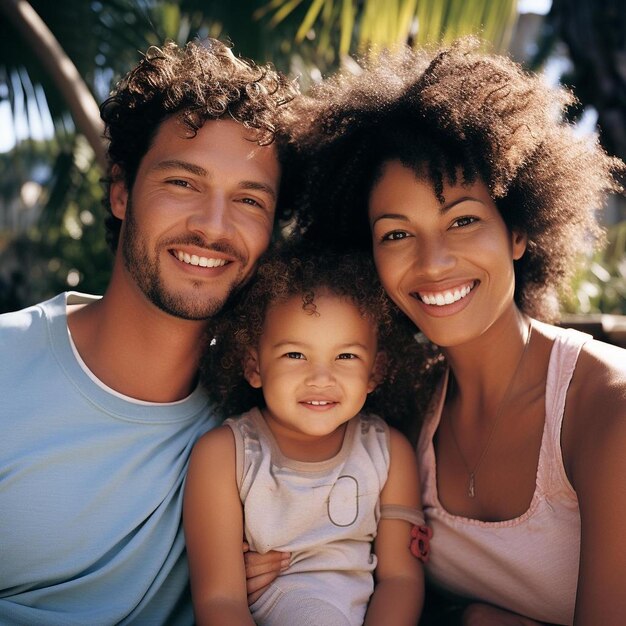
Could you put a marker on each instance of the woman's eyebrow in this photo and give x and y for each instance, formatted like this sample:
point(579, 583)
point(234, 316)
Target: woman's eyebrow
point(443, 209)
point(391, 216)
point(446, 207)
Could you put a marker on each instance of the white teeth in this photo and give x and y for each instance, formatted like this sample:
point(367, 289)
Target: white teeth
point(445, 297)
point(202, 261)
point(319, 402)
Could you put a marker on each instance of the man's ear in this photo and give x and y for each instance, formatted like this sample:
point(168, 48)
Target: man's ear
point(519, 242)
point(118, 194)
point(251, 369)
point(378, 371)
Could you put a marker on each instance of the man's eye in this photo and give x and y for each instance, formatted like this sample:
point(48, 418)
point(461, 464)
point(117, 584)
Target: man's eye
point(178, 182)
point(294, 355)
point(347, 355)
point(251, 202)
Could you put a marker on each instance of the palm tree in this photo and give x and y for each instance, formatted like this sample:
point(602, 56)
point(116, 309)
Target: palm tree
point(73, 68)
point(60, 58)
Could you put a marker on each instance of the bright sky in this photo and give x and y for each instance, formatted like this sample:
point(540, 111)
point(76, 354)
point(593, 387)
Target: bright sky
point(534, 6)
point(42, 128)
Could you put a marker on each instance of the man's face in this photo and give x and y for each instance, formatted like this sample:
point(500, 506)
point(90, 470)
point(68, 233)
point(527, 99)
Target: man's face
point(200, 214)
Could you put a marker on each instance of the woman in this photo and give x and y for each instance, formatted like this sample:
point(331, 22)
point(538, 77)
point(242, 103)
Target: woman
point(456, 169)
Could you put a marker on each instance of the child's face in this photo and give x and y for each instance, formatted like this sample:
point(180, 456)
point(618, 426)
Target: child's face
point(315, 370)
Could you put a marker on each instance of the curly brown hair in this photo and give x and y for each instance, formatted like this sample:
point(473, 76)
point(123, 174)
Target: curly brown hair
point(454, 113)
point(198, 82)
point(300, 270)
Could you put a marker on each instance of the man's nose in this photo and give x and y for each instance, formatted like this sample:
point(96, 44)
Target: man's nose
point(212, 218)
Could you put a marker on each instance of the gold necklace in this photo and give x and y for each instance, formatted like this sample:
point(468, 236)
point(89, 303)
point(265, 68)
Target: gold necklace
point(471, 487)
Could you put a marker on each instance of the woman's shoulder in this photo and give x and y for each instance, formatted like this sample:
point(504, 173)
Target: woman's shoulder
point(600, 367)
point(600, 374)
point(595, 410)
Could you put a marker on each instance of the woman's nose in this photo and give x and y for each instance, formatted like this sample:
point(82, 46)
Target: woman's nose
point(434, 257)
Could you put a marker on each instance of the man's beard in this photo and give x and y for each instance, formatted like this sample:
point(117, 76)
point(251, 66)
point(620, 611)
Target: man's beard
point(145, 271)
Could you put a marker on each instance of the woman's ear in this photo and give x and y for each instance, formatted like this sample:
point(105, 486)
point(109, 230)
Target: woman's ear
point(519, 242)
point(378, 371)
point(118, 194)
point(251, 369)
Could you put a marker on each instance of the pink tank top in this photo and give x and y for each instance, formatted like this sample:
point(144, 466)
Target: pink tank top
point(529, 564)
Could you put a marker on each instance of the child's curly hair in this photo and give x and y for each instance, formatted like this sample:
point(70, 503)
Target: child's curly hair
point(198, 82)
point(454, 114)
point(302, 271)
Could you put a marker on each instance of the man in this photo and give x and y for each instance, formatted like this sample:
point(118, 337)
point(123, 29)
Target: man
point(100, 405)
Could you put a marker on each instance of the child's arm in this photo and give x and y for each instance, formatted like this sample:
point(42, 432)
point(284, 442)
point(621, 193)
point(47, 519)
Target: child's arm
point(399, 593)
point(213, 522)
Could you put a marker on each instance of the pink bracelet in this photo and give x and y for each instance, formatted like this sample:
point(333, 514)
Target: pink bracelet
point(420, 542)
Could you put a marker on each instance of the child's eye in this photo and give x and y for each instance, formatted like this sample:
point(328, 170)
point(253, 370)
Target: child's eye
point(466, 220)
point(294, 355)
point(347, 355)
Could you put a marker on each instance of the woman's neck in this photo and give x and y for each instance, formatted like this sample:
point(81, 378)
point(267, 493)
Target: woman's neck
point(482, 369)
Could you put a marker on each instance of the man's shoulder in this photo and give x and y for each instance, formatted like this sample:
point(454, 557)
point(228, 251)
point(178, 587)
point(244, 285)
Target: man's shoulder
point(33, 327)
point(26, 318)
point(23, 321)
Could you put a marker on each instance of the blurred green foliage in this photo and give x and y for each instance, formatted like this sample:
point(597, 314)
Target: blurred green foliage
point(601, 286)
point(51, 215)
point(61, 245)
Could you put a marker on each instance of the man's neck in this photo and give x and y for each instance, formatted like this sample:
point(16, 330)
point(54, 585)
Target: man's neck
point(137, 349)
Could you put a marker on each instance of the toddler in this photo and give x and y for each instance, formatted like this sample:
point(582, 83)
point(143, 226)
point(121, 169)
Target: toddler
point(306, 470)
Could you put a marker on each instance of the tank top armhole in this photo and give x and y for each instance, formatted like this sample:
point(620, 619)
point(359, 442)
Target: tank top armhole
point(239, 450)
point(565, 352)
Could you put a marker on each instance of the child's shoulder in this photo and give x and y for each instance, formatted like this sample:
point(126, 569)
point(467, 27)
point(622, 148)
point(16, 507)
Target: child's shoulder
point(218, 436)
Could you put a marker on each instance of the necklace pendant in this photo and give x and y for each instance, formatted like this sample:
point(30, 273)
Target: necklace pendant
point(471, 491)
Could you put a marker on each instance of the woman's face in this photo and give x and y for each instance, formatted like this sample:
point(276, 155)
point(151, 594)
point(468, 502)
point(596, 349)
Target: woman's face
point(448, 266)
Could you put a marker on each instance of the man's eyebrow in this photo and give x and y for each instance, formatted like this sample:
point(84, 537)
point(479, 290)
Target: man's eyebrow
point(175, 164)
point(256, 186)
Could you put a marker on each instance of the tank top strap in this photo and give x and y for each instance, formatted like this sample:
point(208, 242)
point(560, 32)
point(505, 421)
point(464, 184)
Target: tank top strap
point(565, 351)
point(425, 448)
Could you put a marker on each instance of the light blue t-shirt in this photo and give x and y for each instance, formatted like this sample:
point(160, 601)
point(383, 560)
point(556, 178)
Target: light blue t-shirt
point(90, 486)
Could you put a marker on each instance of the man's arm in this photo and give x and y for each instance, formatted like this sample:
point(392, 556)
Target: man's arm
point(213, 522)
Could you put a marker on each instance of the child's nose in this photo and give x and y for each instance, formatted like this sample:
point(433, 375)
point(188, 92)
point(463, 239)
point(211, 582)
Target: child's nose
point(320, 376)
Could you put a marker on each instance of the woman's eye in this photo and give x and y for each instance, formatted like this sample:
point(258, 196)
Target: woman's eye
point(466, 220)
point(347, 355)
point(395, 235)
point(294, 355)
